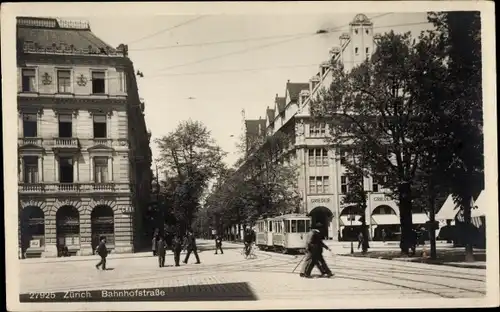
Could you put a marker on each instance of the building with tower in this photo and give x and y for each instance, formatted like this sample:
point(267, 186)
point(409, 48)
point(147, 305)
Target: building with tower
point(322, 180)
point(83, 145)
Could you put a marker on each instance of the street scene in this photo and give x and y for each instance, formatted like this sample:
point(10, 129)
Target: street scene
point(236, 158)
point(268, 276)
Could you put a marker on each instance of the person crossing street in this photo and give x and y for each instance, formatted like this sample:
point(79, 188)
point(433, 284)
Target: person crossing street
point(191, 247)
point(177, 248)
point(316, 246)
point(162, 251)
point(218, 244)
point(102, 251)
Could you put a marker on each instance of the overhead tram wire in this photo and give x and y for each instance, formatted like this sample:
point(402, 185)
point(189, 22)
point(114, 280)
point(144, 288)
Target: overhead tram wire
point(238, 40)
point(335, 29)
point(167, 29)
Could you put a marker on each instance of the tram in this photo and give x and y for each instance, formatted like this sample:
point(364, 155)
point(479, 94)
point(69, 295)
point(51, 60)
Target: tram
point(264, 231)
point(290, 232)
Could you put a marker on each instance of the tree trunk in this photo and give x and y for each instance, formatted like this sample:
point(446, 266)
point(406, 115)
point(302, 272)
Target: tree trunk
point(432, 217)
point(469, 254)
point(405, 215)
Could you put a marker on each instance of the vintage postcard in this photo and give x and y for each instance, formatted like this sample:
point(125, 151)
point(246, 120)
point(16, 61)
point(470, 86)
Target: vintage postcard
point(250, 155)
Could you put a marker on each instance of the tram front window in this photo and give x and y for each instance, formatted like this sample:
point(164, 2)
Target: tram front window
point(287, 226)
point(294, 226)
point(302, 226)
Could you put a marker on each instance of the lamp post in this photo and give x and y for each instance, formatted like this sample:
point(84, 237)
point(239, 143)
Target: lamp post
point(351, 216)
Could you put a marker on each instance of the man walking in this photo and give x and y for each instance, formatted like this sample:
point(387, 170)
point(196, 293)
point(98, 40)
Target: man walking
point(308, 256)
point(191, 247)
point(102, 251)
point(177, 248)
point(218, 244)
point(154, 244)
point(317, 259)
point(162, 251)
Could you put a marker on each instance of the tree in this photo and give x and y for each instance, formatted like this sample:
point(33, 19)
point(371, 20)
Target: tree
point(191, 158)
point(375, 110)
point(356, 194)
point(460, 37)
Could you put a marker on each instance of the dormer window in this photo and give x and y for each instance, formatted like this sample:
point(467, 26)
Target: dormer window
point(356, 50)
point(356, 31)
point(367, 32)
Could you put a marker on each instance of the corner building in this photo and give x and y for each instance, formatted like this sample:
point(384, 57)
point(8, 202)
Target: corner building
point(83, 146)
point(322, 181)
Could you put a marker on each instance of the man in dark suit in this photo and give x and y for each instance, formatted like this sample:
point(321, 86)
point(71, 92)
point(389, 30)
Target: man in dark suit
point(317, 259)
point(102, 251)
point(218, 244)
point(177, 248)
point(162, 251)
point(191, 247)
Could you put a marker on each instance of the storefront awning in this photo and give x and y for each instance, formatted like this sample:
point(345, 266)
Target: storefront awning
point(385, 219)
point(420, 218)
point(448, 211)
point(346, 220)
point(479, 209)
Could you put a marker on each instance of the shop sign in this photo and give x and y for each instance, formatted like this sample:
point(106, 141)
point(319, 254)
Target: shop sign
point(382, 198)
point(35, 243)
point(324, 200)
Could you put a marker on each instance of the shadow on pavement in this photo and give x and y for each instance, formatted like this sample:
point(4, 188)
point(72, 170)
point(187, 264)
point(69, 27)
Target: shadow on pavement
point(210, 292)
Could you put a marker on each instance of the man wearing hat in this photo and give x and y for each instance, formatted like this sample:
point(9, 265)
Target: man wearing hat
point(315, 246)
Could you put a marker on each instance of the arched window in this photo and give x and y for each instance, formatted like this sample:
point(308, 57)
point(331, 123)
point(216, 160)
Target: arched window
point(102, 224)
point(68, 227)
point(32, 227)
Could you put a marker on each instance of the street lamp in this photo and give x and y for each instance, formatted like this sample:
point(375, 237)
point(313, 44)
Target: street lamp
point(351, 216)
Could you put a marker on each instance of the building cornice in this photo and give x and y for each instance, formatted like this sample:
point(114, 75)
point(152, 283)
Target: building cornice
point(57, 103)
point(71, 60)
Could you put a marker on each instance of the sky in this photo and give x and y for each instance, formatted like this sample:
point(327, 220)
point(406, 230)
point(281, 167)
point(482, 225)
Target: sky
point(213, 82)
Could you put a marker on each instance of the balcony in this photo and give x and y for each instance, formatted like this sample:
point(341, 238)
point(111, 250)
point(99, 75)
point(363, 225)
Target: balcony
point(66, 143)
point(29, 141)
point(72, 188)
point(102, 141)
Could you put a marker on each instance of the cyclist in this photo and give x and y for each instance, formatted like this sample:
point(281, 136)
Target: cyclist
point(248, 240)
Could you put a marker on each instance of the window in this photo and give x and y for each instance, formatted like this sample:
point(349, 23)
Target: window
point(301, 226)
point(287, 226)
point(318, 129)
point(28, 80)
point(65, 126)
point(100, 169)
point(367, 31)
point(367, 50)
point(318, 157)
point(294, 226)
point(375, 186)
point(343, 185)
point(356, 31)
point(312, 185)
point(319, 185)
point(356, 50)
point(66, 170)
point(30, 169)
point(30, 125)
point(122, 80)
point(100, 130)
point(98, 82)
point(63, 81)
point(343, 156)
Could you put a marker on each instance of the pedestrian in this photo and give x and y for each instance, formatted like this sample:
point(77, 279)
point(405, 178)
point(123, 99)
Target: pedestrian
point(102, 251)
point(317, 259)
point(177, 248)
point(384, 235)
point(218, 244)
point(162, 250)
point(360, 239)
point(191, 247)
point(413, 241)
point(308, 254)
point(154, 244)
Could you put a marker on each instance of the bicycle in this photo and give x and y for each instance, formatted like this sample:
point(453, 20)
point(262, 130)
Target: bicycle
point(250, 253)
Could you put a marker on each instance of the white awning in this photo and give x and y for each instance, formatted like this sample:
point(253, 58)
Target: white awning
point(448, 211)
point(346, 221)
point(479, 209)
point(420, 218)
point(385, 219)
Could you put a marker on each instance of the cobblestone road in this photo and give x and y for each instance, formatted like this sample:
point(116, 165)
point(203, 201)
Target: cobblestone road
point(268, 276)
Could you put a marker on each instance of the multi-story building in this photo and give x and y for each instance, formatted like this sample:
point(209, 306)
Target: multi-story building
point(83, 146)
point(322, 181)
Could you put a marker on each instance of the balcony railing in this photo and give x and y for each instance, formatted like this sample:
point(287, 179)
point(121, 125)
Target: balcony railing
point(29, 141)
point(103, 141)
point(66, 143)
point(87, 187)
